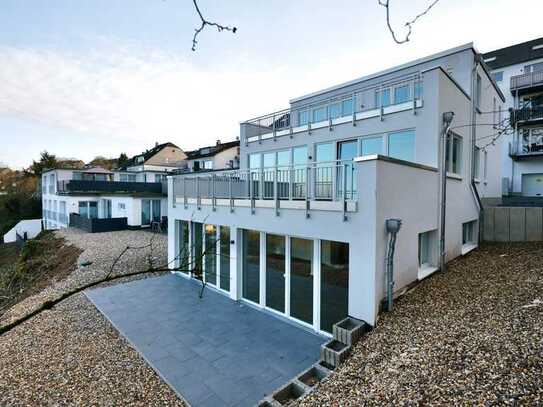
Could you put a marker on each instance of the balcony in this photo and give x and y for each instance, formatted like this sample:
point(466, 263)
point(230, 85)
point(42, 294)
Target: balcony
point(362, 103)
point(527, 115)
point(527, 145)
point(527, 82)
point(321, 186)
point(110, 187)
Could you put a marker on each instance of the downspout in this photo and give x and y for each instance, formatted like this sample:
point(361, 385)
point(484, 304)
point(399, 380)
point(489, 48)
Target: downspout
point(447, 120)
point(392, 227)
point(474, 139)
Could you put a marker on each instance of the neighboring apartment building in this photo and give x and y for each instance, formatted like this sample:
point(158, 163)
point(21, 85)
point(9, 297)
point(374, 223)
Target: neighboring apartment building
point(299, 229)
point(135, 192)
point(219, 156)
point(518, 70)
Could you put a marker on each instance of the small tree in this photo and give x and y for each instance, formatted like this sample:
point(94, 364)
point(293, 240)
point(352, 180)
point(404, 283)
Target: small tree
point(46, 161)
point(122, 160)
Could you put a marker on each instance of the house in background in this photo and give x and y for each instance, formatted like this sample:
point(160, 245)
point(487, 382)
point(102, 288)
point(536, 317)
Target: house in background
point(135, 193)
point(299, 230)
point(518, 70)
point(219, 156)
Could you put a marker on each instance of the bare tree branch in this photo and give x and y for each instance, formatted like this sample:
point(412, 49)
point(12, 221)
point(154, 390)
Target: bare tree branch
point(205, 22)
point(408, 24)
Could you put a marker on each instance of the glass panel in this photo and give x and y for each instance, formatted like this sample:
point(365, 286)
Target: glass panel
point(456, 155)
point(401, 94)
point(385, 93)
point(83, 209)
point(254, 161)
point(225, 258)
point(334, 110)
point(324, 155)
point(525, 140)
point(283, 158)
point(275, 272)
point(301, 279)
point(211, 254)
point(299, 172)
point(319, 114)
point(373, 145)
point(269, 160)
point(145, 212)
point(347, 107)
point(424, 249)
point(401, 145)
point(156, 210)
point(184, 248)
point(418, 89)
point(251, 266)
point(197, 245)
point(283, 173)
point(303, 118)
point(347, 150)
point(93, 210)
point(334, 283)
point(255, 164)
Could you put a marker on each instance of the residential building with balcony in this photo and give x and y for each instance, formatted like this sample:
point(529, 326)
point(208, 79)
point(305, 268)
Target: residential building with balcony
point(219, 156)
point(518, 71)
point(299, 229)
point(135, 192)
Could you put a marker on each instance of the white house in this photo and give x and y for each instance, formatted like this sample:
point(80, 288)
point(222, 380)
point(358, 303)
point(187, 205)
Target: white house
point(299, 229)
point(135, 191)
point(220, 156)
point(518, 71)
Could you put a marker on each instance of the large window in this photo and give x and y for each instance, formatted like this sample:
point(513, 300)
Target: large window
point(197, 250)
point(303, 118)
point(453, 154)
point(224, 262)
point(275, 272)
point(347, 151)
point(382, 97)
point(334, 283)
point(88, 209)
point(401, 145)
point(401, 94)
point(498, 76)
point(299, 161)
point(319, 114)
point(128, 177)
point(183, 251)
point(324, 171)
point(251, 266)
point(372, 145)
point(210, 254)
point(150, 211)
point(301, 279)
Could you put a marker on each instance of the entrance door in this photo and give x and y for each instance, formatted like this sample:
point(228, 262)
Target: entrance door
point(532, 184)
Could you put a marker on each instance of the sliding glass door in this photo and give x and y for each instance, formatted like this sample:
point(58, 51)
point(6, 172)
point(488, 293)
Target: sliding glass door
point(197, 250)
point(224, 259)
point(183, 250)
point(301, 279)
point(334, 283)
point(251, 266)
point(275, 272)
point(145, 212)
point(211, 254)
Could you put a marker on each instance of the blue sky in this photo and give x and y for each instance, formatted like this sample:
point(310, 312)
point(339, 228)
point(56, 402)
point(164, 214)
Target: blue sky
point(96, 77)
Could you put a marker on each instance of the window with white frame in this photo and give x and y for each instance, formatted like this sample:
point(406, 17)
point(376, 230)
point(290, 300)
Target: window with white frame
point(401, 94)
point(319, 114)
point(498, 76)
point(303, 117)
point(427, 249)
point(207, 164)
point(453, 154)
point(476, 162)
point(401, 145)
point(160, 177)
point(469, 233)
point(372, 145)
point(128, 177)
point(382, 97)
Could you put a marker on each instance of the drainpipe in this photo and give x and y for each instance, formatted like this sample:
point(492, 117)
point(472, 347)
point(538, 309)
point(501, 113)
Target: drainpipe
point(447, 120)
point(392, 227)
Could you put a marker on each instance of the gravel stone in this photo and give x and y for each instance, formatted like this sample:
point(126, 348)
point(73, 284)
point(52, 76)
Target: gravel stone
point(470, 336)
point(71, 355)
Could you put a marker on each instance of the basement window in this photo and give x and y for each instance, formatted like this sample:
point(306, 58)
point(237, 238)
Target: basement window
point(427, 253)
point(469, 236)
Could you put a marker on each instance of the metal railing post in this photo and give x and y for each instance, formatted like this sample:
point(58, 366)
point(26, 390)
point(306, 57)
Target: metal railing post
point(274, 129)
point(275, 191)
point(198, 201)
point(381, 112)
point(213, 197)
point(185, 200)
point(230, 193)
point(307, 192)
point(354, 108)
point(344, 192)
point(413, 87)
point(252, 192)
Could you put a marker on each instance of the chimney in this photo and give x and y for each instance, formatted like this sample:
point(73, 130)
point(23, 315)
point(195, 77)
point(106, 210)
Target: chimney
point(218, 142)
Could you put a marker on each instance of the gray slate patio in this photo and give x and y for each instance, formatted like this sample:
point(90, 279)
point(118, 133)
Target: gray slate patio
point(212, 351)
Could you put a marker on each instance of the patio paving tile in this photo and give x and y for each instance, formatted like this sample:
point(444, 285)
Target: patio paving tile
point(212, 351)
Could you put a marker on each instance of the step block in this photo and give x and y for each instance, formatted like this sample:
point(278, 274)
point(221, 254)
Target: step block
point(349, 330)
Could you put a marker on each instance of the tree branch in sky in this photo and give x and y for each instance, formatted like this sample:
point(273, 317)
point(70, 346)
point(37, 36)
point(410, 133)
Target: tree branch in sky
point(408, 24)
point(210, 23)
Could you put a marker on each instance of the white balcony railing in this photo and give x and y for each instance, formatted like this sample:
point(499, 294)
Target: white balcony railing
point(319, 182)
point(526, 80)
point(363, 102)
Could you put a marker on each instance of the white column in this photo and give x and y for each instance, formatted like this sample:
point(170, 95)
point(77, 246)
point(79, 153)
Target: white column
point(287, 275)
point(218, 255)
point(316, 266)
point(235, 265)
point(262, 269)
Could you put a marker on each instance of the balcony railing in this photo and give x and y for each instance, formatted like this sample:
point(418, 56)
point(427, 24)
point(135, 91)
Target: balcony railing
point(527, 80)
point(86, 186)
point(332, 181)
point(362, 103)
point(526, 114)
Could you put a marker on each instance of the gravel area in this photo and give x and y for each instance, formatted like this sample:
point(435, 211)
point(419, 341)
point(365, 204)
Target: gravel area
point(470, 336)
point(71, 355)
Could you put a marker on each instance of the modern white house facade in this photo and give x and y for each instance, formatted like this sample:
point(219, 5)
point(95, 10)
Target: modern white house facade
point(518, 70)
point(135, 192)
point(299, 229)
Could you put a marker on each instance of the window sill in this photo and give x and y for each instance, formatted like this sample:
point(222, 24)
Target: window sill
point(452, 175)
point(468, 247)
point(425, 270)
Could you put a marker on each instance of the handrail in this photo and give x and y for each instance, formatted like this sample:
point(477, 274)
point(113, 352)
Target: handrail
point(526, 80)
